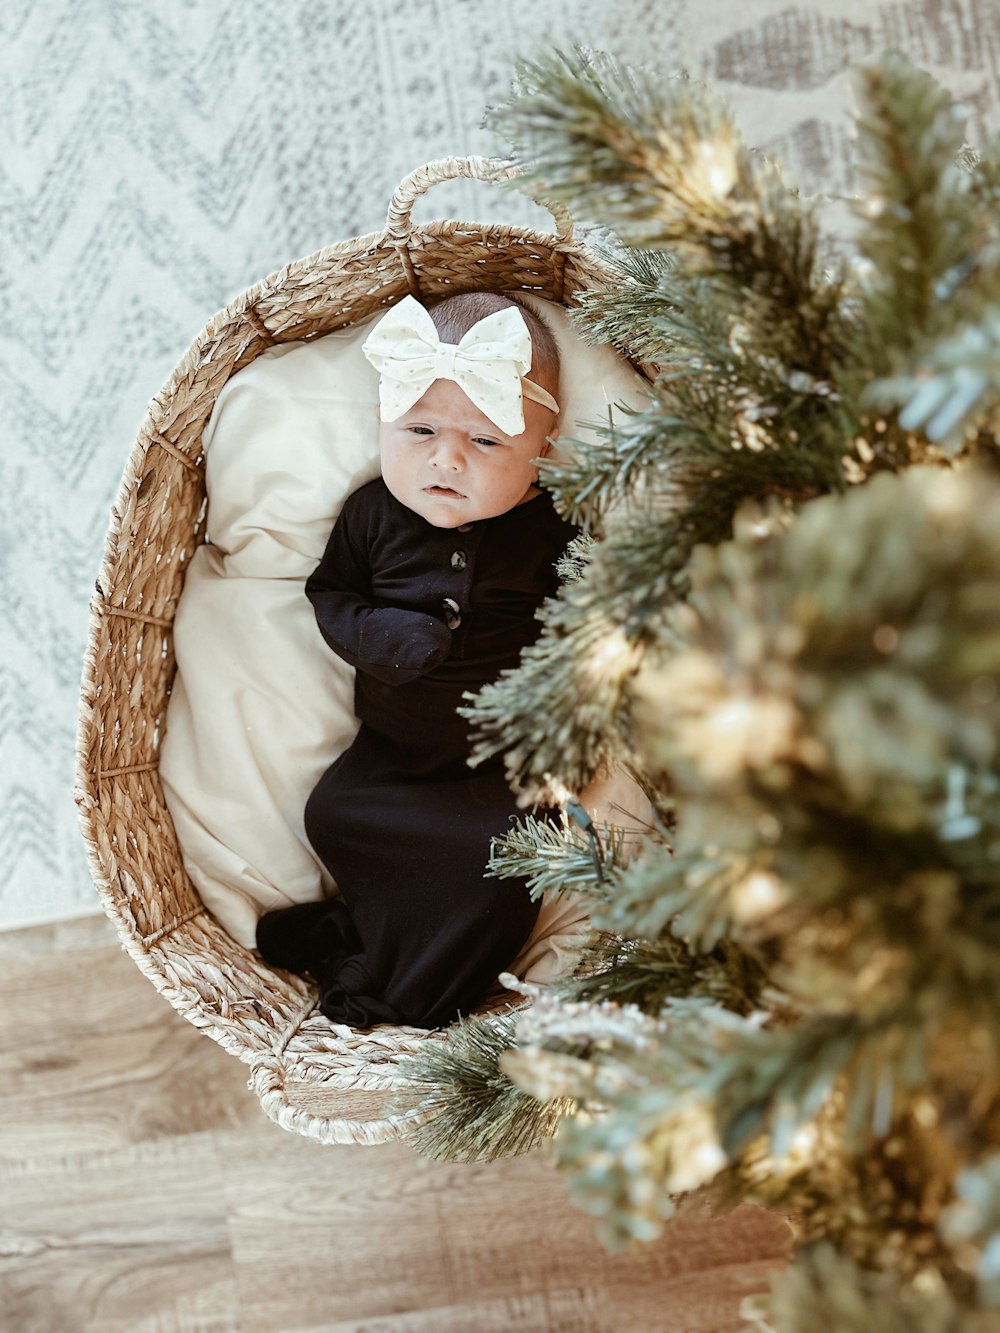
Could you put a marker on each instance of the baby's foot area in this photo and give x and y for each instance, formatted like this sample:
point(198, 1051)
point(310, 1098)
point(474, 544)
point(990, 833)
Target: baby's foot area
point(307, 937)
point(348, 993)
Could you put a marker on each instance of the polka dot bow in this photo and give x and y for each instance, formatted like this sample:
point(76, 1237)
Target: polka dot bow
point(489, 363)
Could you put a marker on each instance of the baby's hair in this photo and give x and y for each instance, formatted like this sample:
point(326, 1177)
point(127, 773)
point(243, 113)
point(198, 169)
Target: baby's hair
point(455, 316)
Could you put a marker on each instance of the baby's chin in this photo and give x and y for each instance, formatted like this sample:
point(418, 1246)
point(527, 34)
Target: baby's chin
point(449, 513)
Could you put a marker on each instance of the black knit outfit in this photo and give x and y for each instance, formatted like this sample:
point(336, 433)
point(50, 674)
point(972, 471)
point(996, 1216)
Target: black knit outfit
point(400, 820)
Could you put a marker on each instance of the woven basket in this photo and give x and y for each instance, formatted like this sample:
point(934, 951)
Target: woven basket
point(328, 1083)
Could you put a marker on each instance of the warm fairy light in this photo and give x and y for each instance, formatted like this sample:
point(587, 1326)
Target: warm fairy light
point(947, 502)
point(757, 896)
point(804, 1140)
point(769, 827)
point(874, 205)
point(957, 823)
point(695, 1153)
point(929, 1282)
point(612, 655)
point(749, 432)
point(854, 473)
point(886, 639)
point(559, 790)
point(925, 1113)
point(740, 732)
point(719, 165)
point(704, 1162)
point(803, 1146)
point(735, 715)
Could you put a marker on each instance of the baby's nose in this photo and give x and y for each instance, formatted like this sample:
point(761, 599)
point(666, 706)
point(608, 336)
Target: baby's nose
point(448, 454)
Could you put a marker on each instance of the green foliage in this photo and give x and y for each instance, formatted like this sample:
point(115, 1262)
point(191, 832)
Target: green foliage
point(558, 860)
point(921, 235)
point(460, 1105)
point(747, 334)
point(930, 272)
point(553, 748)
point(973, 1222)
point(660, 161)
point(649, 975)
point(825, 1289)
point(793, 632)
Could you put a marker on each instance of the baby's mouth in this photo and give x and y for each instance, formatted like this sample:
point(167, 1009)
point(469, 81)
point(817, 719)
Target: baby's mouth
point(445, 491)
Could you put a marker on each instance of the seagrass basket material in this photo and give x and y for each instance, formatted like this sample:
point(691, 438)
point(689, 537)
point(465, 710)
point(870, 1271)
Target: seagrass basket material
point(327, 1082)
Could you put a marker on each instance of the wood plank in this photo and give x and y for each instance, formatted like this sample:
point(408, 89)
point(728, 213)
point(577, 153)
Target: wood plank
point(91, 1057)
point(111, 1241)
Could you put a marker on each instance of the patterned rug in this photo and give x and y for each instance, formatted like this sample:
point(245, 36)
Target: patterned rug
point(156, 159)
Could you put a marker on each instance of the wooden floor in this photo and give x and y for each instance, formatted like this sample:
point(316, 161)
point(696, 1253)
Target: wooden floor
point(142, 1190)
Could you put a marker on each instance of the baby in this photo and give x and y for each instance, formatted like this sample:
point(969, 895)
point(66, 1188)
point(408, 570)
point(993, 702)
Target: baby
point(429, 586)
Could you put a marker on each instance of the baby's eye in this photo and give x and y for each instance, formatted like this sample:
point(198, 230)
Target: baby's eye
point(420, 430)
point(485, 440)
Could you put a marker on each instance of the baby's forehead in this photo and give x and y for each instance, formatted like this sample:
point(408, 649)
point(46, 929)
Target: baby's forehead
point(447, 399)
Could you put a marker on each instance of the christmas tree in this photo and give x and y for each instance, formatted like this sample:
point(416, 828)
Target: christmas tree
point(786, 620)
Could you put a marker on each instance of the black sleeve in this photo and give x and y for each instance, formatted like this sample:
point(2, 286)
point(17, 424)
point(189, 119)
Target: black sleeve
point(392, 644)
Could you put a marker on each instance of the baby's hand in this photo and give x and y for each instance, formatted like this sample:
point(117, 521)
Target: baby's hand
point(398, 646)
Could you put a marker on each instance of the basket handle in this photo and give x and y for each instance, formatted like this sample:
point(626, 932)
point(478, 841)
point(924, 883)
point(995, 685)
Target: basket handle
point(418, 182)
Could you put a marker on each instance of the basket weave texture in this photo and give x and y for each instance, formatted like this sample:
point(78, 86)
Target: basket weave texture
point(327, 1082)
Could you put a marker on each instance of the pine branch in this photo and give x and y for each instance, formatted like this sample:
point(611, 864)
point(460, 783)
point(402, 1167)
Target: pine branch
point(562, 711)
point(660, 161)
point(628, 314)
point(950, 391)
point(566, 708)
point(881, 599)
point(687, 896)
point(926, 339)
point(919, 232)
point(678, 1116)
point(830, 728)
point(559, 860)
point(723, 425)
point(617, 144)
point(459, 1103)
point(648, 1139)
point(801, 1004)
point(648, 975)
point(574, 560)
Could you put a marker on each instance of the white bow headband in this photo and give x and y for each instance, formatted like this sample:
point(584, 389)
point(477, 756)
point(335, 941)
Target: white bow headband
point(489, 363)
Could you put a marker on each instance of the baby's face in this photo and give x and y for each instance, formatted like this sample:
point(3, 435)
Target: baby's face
point(449, 463)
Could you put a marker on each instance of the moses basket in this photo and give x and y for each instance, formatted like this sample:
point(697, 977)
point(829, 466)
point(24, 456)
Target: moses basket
point(308, 1077)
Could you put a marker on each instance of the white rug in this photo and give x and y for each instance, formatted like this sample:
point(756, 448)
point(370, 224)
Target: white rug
point(156, 158)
